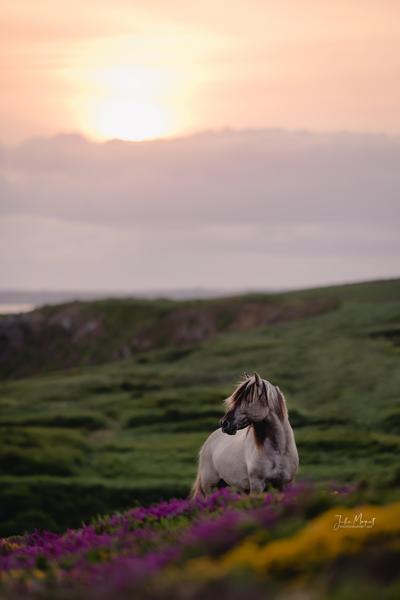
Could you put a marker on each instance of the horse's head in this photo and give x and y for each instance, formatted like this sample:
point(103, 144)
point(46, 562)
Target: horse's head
point(253, 400)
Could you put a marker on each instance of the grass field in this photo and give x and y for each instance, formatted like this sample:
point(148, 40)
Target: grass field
point(89, 440)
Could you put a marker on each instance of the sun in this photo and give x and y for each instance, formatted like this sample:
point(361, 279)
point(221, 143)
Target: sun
point(131, 119)
point(130, 104)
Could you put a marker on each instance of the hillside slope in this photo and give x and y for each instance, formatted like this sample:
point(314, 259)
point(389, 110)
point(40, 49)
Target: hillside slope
point(82, 333)
point(98, 438)
point(85, 333)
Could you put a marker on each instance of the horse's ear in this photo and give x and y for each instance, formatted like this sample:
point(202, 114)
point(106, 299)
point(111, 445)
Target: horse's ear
point(282, 404)
point(257, 378)
point(259, 389)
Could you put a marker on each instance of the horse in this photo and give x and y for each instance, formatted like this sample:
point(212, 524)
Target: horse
point(254, 447)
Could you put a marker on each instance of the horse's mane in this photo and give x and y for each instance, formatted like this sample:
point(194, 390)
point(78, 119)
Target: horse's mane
point(254, 390)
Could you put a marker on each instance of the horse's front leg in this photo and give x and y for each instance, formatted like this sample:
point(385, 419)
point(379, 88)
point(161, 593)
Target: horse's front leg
point(257, 483)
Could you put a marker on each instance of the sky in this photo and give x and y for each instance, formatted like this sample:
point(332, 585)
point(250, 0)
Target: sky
point(260, 143)
point(150, 68)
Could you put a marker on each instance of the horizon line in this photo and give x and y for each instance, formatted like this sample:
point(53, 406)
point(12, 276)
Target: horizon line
point(200, 288)
point(82, 136)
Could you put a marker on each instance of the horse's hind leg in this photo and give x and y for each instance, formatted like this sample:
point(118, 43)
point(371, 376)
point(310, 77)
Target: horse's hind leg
point(208, 475)
point(210, 482)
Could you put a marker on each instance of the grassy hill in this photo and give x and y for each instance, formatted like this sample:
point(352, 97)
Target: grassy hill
point(89, 431)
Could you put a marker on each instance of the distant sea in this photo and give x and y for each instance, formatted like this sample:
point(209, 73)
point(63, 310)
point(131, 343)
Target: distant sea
point(19, 301)
point(13, 309)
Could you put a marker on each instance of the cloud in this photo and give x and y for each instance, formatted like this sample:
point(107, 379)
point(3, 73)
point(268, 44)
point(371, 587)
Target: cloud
point(181, 211)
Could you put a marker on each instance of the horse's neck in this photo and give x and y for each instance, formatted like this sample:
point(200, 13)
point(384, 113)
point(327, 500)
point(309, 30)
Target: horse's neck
point(276, 432)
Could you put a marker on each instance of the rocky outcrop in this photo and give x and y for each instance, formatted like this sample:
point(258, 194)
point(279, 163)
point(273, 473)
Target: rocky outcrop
point(82, 333)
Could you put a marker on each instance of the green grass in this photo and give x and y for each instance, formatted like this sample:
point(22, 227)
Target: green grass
point(100, 438)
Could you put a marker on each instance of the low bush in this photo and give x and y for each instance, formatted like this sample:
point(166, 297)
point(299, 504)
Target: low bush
point(88, 421)
point(68, 502)
point(39, 461)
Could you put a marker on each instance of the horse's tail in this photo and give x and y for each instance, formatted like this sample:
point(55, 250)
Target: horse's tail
point(197, 491)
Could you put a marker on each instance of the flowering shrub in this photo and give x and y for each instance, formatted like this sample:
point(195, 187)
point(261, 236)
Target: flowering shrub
point(195, 548)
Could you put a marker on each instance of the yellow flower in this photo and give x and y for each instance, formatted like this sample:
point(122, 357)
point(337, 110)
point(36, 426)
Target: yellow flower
point(204, 568)
point(9, 546)
point(318, 541)
point(38, 574)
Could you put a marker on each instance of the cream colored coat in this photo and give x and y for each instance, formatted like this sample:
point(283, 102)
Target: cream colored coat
point(242, 460)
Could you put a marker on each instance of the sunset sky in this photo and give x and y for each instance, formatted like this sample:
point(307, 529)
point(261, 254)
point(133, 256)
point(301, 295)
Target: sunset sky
point(280, 164)
point(147, 68)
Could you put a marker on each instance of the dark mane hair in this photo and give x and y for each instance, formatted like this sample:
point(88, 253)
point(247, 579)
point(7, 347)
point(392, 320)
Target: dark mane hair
point(263, 430)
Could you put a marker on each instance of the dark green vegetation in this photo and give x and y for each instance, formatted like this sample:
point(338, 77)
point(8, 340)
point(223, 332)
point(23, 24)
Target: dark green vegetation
point(93, 439)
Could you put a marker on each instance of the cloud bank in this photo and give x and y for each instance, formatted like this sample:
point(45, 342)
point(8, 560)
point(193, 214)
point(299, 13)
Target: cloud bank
point(259, 208)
